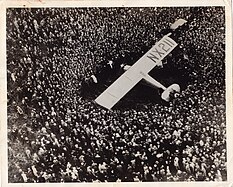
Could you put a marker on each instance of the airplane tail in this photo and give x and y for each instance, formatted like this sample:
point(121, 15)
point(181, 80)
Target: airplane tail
point(171, 89)
point(177, 24)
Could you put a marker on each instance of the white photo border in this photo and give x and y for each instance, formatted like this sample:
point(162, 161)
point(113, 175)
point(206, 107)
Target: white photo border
point(126, 3)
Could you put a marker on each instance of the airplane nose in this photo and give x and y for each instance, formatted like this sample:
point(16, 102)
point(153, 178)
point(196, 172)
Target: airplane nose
point(171, 89)
point(175, 87)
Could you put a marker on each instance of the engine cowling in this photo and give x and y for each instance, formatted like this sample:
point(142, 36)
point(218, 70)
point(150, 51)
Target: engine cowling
point(171, 89)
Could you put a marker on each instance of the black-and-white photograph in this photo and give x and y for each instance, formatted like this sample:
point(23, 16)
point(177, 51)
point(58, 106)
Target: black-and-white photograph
point(116, 94)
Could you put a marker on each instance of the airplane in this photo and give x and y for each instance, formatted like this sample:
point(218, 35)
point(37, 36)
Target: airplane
point(139, 71)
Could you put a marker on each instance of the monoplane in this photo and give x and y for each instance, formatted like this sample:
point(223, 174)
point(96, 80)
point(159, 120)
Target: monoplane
point(139, 71)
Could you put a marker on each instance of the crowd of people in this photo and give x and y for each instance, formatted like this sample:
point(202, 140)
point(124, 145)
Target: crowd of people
point(57, 135)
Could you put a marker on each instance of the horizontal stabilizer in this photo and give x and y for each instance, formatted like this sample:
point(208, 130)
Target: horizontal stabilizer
point(177, 24)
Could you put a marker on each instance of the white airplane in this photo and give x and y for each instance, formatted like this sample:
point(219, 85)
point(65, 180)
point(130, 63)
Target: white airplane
point(139, 71)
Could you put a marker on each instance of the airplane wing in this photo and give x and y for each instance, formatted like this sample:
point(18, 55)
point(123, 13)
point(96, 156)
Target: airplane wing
point(132, 76)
